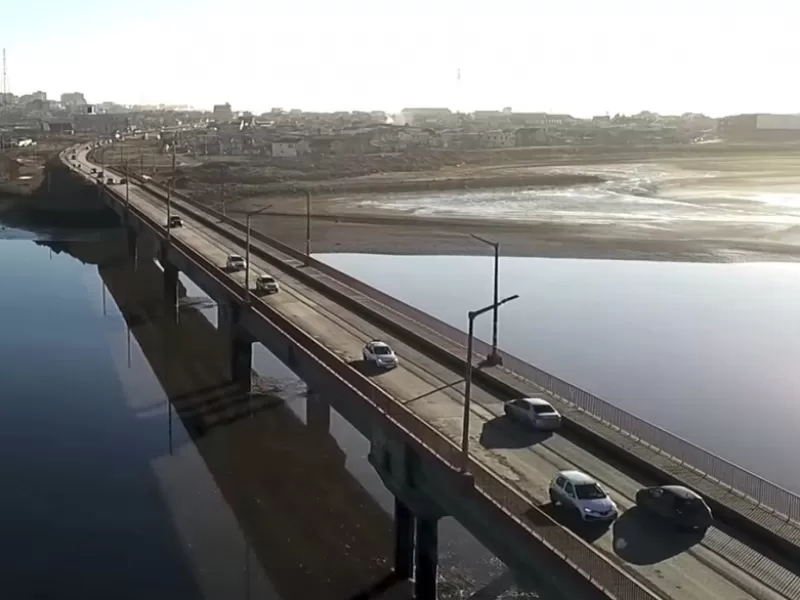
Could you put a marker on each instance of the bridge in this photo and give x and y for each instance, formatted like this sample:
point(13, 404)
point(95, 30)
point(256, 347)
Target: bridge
point(314, 529)
point(412, 415)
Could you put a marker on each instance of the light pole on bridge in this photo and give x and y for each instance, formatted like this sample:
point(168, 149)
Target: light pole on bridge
point(494, 359)
point(471, 316)
point(247, 251)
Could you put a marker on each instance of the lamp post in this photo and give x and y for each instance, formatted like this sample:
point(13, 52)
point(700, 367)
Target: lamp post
point(472, 315)
point(308, 226)
point(127, 187)
point(493, 359)
point(247, 251)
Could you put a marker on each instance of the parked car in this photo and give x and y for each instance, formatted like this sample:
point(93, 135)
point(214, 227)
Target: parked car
point(581, 493)
point(110, 180)
point(537, 413)
point(267, 284)
point(174, 221)
point(235, 263)
point(379, 354)
point(677, 504)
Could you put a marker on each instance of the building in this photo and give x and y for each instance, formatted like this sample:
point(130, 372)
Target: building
point(222, 113)
point(531, 136)
point(289, 148)
point(426, 116)
point(498, 138)
point(73, 100)
point(763, 127)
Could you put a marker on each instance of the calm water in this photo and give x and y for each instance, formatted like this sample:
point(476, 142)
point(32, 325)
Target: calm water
point(707, 351)
point(110, 490)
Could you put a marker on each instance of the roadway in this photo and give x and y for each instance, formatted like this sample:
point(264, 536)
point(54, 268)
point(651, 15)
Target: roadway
point(673, 566)
point(313, 527)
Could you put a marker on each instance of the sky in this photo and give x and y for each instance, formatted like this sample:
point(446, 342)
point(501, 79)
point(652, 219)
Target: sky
point(581, 57)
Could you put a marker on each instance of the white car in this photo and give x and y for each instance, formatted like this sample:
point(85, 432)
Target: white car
point(581, 493)
point(379, 354)
point(267, 284)
point(537, 413)
point(235, 263)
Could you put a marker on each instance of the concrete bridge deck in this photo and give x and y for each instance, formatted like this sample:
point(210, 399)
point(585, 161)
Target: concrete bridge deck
point(715, 567)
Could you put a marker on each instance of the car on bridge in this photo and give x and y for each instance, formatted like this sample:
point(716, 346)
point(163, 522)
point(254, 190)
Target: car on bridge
point(174, 221)
point(267, 284)
point(678, 505)
point(537, 413)
point(582, 494)
point(380, 354)
point(235, 262)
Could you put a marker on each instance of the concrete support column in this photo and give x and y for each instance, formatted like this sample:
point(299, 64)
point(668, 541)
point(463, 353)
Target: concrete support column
point(318, 413)
point(240, 346)
point(133, 244)
point(403, 540)
point(170, 283)
point(241, 360)
point(426, 558)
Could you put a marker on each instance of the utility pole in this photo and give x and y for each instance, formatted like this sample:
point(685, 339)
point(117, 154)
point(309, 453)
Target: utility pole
point(5, 79)
point(308, 227)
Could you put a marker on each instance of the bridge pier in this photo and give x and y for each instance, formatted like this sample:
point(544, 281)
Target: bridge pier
point(239, 341)
point(318, 413)
point(426, 558)
point(416, 514)
point(170, 281)
point(403, 540)
point(132, 238)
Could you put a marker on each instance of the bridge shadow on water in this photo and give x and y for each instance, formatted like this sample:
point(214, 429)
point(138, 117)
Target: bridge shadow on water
point(314, 529)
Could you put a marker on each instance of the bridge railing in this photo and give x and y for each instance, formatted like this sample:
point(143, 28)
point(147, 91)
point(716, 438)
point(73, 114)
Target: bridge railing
point(758, 490)
point(566, 545)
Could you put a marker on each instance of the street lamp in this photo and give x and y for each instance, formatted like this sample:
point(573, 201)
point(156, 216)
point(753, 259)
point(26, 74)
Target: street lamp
point(247, 251)
point(127, 187)
point(308, 226)
point(472, 315)
point(493, 359)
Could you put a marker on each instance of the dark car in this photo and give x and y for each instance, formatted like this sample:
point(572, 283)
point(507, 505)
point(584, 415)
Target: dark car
point(175, 221)
point(677, 504)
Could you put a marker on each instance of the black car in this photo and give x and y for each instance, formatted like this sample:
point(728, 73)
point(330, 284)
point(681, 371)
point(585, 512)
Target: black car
point(175, 221)
point(677, 504)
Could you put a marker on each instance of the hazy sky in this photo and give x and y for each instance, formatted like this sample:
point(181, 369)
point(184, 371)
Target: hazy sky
point(578, 56)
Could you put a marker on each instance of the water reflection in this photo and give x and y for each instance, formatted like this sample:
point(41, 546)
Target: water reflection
point(82, 508)
point(707, 351)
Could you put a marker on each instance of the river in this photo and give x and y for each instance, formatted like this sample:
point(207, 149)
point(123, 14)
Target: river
point(110, 490)
point(706, 351)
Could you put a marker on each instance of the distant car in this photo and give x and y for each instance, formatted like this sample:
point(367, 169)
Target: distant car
point(94, 170)
point(235, 263)
point(175, 221)
point(581, 493)
point(73, 157)
point(379, 354)
point(100, 176)
point(123, 181)
point(267, 284)
point(681, 506)
point(533, 412)
point(110, 180)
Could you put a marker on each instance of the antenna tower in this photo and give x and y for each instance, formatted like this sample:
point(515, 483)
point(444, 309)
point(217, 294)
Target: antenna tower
point(5, 79)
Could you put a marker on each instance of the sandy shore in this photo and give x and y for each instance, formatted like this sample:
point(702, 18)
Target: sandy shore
point(708, 218)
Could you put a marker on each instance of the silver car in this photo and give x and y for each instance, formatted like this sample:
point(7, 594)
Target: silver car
point(537, 413)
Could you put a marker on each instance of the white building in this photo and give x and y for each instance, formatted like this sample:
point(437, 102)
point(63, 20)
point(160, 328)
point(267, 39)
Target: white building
point(289, 148)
